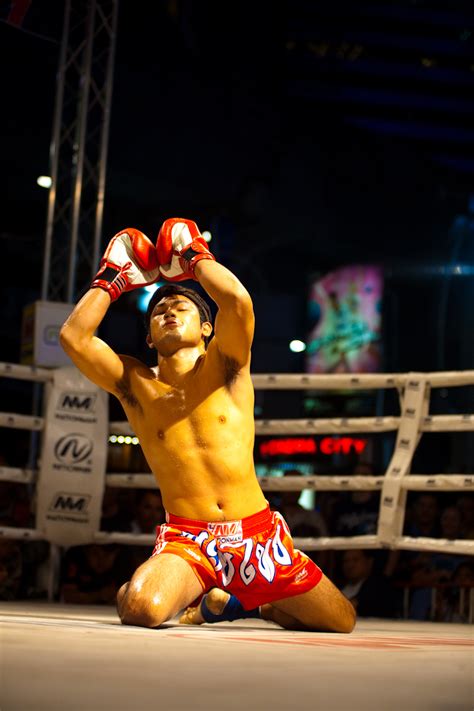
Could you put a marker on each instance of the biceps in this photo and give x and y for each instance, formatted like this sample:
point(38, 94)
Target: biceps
point(234, 330)
point(97, 361)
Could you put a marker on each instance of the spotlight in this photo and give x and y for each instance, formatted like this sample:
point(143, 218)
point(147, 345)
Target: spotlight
point(297, 346)
point(44, 181)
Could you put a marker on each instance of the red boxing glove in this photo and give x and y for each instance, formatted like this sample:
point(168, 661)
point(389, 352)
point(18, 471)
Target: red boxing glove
point(180, 247)
point(129, 262)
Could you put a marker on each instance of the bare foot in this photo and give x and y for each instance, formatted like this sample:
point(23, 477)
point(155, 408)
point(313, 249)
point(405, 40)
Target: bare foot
point(216, 600)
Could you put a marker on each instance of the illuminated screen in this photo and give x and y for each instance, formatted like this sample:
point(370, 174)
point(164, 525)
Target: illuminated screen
point(345, 321)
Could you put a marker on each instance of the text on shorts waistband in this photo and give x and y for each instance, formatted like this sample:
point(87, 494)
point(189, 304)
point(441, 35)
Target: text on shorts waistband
point(243, 527)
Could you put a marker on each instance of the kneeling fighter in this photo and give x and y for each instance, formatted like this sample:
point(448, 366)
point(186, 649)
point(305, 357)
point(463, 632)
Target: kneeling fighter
point(193, 413)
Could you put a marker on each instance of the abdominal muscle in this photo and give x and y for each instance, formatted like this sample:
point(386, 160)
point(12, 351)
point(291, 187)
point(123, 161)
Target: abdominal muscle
point(207, 485)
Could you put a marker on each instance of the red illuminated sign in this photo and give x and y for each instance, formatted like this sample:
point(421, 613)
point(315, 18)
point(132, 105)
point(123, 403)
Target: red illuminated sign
point(308, 445)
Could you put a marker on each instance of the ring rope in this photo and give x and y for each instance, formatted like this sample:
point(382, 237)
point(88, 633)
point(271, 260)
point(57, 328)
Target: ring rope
point(395, 483)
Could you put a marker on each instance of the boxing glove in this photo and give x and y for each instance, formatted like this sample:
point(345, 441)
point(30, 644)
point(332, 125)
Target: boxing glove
point(180, 246)
point(129, 262)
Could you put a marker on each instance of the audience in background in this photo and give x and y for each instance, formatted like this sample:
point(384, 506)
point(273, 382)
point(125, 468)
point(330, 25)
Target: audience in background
point(369, 591)
point(305, 523)
point(93, 574)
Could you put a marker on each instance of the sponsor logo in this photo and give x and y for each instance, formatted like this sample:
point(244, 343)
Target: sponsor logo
point(69, 507)
point(73, 448)
point(72, 504)
point(388, 501)
point(231, 531)
point(302, 574)
point(404, 444)
point(77, 402)
point(51, 335)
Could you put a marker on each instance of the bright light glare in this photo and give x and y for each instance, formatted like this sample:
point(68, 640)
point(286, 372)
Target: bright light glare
point(113, 439)
point(207, 235)
point(297, 346)
point(44, 181)
point(135, 440)
point(145, 295)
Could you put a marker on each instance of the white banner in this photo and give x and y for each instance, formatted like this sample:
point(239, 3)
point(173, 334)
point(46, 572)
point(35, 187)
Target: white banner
point(71, 476)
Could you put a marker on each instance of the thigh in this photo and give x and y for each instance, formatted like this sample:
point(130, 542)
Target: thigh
point(166, 581)
point(322, 608)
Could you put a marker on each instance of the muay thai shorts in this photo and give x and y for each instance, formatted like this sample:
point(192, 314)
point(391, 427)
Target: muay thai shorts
point(252, 558)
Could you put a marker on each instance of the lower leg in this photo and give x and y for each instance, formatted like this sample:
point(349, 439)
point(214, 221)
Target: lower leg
point(272, 614)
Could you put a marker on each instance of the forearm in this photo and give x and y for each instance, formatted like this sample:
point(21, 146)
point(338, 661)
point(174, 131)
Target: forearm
point(221, 285)
point(86, 316)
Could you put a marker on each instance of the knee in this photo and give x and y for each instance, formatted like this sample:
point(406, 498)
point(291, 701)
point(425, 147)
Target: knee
point(348, 619)
point(135, 608)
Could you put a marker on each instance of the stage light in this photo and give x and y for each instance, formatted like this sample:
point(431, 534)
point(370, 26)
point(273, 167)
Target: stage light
point(207, 235)
point(297, 346)
point(145, 295)
point(44, 181)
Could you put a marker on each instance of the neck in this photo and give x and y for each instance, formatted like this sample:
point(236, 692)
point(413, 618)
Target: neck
point(173, 369)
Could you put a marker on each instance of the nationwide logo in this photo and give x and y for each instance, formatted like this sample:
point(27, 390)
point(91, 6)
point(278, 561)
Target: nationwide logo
point(73, 448)
point(77, 402)
point(69, 503)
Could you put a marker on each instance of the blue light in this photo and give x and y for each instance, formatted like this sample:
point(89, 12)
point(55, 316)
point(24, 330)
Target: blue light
point(145, 294)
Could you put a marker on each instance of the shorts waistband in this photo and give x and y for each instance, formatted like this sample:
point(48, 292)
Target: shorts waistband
point(245, 526)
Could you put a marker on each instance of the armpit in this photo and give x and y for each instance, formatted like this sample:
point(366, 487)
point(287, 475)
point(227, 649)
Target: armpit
point(231, 370)
point(125, 393)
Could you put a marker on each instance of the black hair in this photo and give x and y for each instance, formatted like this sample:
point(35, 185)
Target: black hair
point(176, 289)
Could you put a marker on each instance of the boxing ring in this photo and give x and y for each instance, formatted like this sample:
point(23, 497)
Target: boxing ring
point(383, 664)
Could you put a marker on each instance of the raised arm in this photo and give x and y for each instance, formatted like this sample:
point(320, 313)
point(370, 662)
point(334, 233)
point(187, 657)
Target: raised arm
point(184, 254)
point(235, 322)
point(129, 262)
point(90, 354)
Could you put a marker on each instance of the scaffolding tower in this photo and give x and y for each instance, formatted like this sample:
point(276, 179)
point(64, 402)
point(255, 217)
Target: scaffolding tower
point(78, 151)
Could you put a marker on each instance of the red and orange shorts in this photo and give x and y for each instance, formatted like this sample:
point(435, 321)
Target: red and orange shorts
point(253, 558)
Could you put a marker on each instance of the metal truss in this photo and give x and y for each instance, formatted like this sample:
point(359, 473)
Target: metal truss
point(78, 151)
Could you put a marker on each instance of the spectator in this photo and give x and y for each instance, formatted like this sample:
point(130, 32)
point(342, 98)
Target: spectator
point(306, 523)
point(423, 519)
point(452, 603)
point(434, 568)
point(465, 504)
point(92, 574)
point(370, 593)
point(115, 516)
point(11, 569)
point(149, 511)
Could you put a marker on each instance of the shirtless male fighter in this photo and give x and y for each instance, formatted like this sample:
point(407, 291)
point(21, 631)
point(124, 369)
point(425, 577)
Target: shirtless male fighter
point(193, 414)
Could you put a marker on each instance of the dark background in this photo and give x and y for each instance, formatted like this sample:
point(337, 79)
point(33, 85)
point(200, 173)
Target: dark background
point(305, 136)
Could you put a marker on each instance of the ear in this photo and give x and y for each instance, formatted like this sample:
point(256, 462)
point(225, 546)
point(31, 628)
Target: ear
point(149, 342)
point(206, 329)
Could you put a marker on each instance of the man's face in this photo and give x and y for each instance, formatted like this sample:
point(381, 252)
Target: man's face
point(150, 512)
point(175, 323)
point(356, 565)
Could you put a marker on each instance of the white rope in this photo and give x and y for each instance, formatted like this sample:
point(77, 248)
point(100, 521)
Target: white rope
point(22, 476)
point(21, 422)
point(435, 545)
point(14, 533)
point(448, 423)
point(290, 381)
point(413, 482)
point(394, 484)
point(341, 425)
point(25, 372)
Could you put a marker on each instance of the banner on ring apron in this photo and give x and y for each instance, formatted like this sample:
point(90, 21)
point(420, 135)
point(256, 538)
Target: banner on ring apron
point(73, 459)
